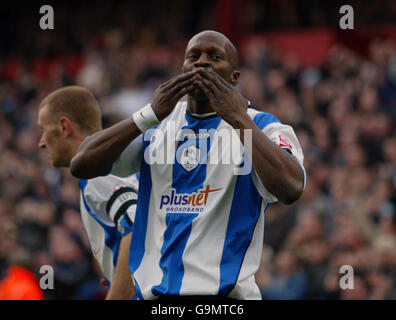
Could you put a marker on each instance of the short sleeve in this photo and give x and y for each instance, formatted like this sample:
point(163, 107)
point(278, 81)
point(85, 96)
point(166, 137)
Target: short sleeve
point(112, 200)
point(121, 207)
point(127, 221)
point(284, 137)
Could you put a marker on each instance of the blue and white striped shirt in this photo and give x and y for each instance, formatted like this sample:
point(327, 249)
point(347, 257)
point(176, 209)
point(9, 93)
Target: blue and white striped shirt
point(199, 226)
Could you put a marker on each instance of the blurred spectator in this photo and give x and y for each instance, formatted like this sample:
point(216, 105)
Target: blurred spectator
point(20, 283)
point(289, 282)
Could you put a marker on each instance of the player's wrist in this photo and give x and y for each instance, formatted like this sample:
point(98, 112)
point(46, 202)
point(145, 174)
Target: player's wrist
point(161, 111)
point(145, 118)
point(238, 120)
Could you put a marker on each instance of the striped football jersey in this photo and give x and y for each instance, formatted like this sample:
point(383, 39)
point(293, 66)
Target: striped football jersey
point(199, 223)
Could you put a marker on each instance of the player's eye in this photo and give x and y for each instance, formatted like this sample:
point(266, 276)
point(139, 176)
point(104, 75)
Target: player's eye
point(216, 57)
point(193, 57)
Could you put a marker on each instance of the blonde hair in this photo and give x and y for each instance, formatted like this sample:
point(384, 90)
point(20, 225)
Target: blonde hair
point(76, 103)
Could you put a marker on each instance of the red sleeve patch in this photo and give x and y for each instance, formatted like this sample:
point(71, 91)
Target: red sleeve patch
point(284, 143)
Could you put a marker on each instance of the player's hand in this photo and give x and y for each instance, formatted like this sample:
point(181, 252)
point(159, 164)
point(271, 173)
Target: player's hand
point(168, 94)
point(224, 98)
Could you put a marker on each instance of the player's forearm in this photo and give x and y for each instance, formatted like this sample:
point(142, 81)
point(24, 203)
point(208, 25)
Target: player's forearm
point(122, 287)
point(97, 154)
point(278, 171)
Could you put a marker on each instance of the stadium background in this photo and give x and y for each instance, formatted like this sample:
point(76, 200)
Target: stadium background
point(336, 88)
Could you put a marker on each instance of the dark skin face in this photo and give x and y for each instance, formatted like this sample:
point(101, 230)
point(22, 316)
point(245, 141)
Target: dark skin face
point(214, 53)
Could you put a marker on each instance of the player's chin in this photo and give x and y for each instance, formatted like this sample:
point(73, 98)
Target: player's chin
point(55, 163)
point(50, 159)
point(58, 162)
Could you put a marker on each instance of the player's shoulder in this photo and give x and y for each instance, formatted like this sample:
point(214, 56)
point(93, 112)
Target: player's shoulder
point(104, 185)
point(262, 119)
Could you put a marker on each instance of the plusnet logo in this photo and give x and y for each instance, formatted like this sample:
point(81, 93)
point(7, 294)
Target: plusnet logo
point(193, 202)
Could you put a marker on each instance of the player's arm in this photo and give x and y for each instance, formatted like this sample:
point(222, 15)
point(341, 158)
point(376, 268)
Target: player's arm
point(97, 154)
point(122, 287)
point(279, 171)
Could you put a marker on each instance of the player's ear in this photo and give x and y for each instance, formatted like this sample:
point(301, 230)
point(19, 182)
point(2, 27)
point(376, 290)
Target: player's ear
point(66, 126)
point(235, 77)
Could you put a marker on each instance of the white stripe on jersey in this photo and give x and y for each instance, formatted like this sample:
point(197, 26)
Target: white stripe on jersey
point(96, 237)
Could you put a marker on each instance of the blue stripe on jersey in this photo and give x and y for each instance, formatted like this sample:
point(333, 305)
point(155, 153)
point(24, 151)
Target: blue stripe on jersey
point(112, 236)
point(178, 230)
point(188, 182)
point(263, 119)
point(141, 215)
point(244, 214)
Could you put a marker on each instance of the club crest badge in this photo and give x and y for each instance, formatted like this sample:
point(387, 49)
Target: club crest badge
point(190, 157)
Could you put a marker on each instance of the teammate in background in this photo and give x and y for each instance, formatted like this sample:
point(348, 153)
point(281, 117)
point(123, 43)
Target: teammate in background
point(199, 226)
point(66, 117)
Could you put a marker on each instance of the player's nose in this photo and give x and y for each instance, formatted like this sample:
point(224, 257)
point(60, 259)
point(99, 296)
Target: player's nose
point(41, 143)
point(202, 62)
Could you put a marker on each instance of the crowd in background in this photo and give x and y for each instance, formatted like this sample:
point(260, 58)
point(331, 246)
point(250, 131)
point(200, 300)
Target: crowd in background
point(343, 113)
point(344, 116)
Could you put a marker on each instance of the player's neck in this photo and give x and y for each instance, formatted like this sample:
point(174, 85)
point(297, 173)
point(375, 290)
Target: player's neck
point(198, 106)
point(70, 153)
point(73, 148)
